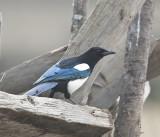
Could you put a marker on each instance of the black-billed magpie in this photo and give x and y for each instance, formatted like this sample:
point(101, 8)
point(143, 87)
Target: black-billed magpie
point(69, 74)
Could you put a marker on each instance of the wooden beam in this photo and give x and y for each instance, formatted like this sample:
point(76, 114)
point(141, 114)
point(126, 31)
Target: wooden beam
point(50, 116)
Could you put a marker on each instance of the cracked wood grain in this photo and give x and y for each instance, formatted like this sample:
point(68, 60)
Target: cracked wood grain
point(52, 116)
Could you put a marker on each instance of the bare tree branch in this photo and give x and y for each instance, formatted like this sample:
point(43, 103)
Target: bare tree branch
point(128, 122)
point(78, 16)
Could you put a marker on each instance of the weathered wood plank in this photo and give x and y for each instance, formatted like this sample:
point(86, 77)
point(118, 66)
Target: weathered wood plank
point(52, 116)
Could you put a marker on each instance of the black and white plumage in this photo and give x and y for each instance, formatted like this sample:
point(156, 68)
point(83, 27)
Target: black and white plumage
point(69, 74)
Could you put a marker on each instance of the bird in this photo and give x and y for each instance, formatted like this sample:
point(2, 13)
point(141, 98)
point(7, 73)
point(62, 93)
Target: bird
point(69, 74)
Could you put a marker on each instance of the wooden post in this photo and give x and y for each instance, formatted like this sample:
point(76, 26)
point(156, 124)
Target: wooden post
point(128, 122)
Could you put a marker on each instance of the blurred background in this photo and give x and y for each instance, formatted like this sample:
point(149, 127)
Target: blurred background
point(34, 27)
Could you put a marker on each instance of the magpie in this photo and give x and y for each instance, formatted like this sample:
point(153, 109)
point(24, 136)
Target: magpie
point(69, 74)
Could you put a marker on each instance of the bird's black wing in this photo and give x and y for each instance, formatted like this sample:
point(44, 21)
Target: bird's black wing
point(64, 70)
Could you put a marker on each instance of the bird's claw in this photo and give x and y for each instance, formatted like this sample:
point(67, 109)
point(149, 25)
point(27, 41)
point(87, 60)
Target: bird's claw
point(73, 101)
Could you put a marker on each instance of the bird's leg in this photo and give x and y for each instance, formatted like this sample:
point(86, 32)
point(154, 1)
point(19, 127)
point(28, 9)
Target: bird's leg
point(67, 96)
point(52, 93)
point(73, 101)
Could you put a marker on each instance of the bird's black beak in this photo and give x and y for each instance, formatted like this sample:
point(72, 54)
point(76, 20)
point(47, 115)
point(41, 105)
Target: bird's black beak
point(108, 52)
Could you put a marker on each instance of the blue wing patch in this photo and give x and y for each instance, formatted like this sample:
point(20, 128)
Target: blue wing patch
point(41, 88)
point(55, 73)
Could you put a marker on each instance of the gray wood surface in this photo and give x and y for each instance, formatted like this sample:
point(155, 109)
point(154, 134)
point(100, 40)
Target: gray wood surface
point(128, 122)
point(39, 116)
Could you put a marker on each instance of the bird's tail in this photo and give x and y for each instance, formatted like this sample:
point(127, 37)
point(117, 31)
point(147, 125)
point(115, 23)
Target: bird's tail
point(41, 88)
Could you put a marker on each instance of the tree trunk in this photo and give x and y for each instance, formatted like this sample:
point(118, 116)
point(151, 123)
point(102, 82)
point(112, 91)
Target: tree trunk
point(128, 122)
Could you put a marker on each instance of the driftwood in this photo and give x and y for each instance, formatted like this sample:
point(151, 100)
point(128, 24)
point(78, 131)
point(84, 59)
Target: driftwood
point(38, 116)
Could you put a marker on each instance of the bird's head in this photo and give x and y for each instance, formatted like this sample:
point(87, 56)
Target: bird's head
point(100, 52)
point(93, 55)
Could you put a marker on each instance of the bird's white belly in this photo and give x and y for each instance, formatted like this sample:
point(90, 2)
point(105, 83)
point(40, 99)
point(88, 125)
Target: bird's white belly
point(73, 85)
